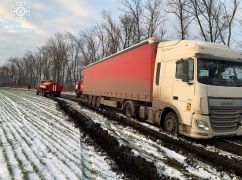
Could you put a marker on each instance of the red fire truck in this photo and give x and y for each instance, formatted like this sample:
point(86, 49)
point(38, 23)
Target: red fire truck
point(50, 87)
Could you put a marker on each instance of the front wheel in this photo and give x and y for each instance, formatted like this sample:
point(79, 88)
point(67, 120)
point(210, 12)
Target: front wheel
point(171, 123)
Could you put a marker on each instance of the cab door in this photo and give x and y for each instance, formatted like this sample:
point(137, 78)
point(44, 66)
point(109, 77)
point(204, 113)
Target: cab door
point(183, 89)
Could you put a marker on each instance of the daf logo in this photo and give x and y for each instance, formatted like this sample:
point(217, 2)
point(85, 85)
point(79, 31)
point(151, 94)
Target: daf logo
point(227, 103)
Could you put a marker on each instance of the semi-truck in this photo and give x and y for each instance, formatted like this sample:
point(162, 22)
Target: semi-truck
point(187, 87)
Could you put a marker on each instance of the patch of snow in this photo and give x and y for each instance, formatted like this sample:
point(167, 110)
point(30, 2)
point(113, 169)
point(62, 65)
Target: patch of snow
point(37, 141)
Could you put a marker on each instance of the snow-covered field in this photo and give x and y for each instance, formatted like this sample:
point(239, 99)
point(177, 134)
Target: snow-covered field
point(38, 142)
point(168, 162)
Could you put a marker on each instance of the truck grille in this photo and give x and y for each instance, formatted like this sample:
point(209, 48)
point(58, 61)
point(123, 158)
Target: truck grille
point(225, 119)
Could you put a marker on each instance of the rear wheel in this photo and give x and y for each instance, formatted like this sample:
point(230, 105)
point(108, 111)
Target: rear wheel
point(171, 123)
point(93, 101)
point(42, 92)
point(98, 102)
point(45, 93)
point(129, 109)
point(90, 100)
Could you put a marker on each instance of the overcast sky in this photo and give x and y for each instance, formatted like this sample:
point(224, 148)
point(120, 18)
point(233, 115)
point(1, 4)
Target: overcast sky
point(28, 25)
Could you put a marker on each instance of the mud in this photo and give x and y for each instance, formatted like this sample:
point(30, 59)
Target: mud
point(226, 146)
point(133, 166)
point(219, 161)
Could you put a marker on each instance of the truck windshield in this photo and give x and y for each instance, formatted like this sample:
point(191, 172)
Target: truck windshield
point(219, 72)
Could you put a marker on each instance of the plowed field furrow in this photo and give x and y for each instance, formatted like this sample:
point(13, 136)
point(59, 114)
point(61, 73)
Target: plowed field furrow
point(25, 143)
point(42, 112)
point(38, 142)
point(47, 131)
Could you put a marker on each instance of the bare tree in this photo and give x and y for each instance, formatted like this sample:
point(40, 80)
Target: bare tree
point(113, 33)
point(58, 50)
point(180, 9)
point(134, 9)
point(90, 46)
point(73, 72)
point(127, 30)
point(229, 17)
point(215, 19)
point(154, 19)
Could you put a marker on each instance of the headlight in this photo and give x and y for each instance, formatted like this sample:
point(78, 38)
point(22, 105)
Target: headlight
point(202, 125)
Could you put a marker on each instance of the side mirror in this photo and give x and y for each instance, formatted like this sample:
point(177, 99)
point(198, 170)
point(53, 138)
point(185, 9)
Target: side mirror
point(185, 67)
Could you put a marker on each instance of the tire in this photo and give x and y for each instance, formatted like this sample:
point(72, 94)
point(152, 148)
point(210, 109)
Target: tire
point(129, 109)
point(98, 102)
point(90, 100)
point(42, 92)
point(171, 123)
point(37, 92)
point(93, 101)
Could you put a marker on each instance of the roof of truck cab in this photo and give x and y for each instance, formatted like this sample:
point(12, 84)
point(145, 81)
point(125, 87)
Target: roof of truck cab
point(182, 43)
point(196, 47)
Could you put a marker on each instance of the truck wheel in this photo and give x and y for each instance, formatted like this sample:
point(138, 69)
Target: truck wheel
point(89, 99)
point(98, 102)
point(42, 92)
point(45, 93)
point(129, 109)
point(37, 92)
point(171, 123)
point(93, 101)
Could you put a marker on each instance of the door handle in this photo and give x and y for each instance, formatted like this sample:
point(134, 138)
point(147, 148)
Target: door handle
point(175, 97)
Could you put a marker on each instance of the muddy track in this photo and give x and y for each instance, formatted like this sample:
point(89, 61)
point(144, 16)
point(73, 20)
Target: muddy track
point(225, 145)
point(221, 162)
point(134, 166)
point(235, 140)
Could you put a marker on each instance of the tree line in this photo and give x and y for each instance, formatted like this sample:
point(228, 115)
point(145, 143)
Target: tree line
point(64, 55)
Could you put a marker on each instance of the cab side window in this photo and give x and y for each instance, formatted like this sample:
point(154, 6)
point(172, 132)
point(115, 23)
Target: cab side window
point(179, 69)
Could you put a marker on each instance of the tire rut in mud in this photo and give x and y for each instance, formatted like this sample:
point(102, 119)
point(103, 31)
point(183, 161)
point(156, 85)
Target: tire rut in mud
point(132, 165)
point(212, 158)
point(221, 162)
point(226, 146)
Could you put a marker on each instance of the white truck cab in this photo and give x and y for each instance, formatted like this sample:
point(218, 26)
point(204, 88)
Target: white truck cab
point(201, 83)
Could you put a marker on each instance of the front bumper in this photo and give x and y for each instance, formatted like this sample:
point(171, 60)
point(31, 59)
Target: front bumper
point(195, 132)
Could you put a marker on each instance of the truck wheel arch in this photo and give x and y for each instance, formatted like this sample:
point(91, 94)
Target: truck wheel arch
point(165, 111)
